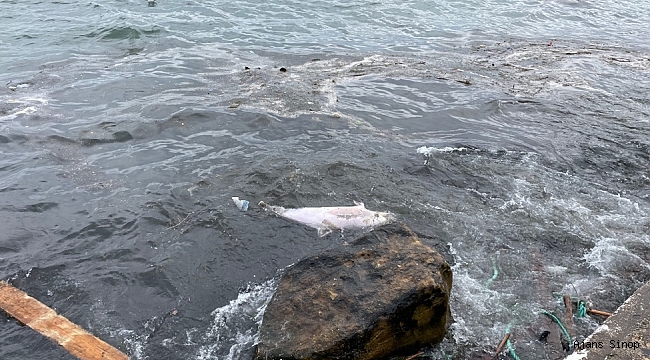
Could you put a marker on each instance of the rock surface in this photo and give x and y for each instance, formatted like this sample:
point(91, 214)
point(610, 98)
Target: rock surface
point(384, 293)
point(625, 335)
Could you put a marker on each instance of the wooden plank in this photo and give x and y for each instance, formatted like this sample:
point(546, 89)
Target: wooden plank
point(46, 321)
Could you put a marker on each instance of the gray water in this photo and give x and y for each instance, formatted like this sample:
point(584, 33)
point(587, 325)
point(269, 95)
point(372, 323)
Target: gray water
point(508, 134)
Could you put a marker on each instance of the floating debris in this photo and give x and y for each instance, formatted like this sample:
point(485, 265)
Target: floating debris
point(241, 204)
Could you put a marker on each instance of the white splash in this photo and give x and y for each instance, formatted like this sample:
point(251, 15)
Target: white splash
point(235, 326)
point(427, 151)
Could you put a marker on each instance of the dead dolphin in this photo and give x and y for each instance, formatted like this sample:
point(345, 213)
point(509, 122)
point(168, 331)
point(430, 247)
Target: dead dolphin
point(326, 219)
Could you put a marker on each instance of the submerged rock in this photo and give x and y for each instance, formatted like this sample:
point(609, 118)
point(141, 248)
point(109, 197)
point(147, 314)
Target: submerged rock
point(383, 294)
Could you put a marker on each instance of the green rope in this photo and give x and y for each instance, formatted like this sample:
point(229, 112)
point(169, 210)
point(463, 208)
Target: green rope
point(564, 330)
point(494, 274)
point(511, 349)
point(582, 309)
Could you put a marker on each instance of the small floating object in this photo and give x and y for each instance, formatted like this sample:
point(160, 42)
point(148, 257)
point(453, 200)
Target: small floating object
point(241, 204)
point(46, 321)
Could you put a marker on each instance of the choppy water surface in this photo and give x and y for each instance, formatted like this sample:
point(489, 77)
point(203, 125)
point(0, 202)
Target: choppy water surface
point(509, 135)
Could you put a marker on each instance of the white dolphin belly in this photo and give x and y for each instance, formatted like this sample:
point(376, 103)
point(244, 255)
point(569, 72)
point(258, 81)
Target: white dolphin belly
point(326, 219)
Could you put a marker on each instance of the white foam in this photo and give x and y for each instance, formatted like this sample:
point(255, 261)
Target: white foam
point(610, 251)
point(27, 105)
point(427, 151)
point(235, 326)
point(135, 343)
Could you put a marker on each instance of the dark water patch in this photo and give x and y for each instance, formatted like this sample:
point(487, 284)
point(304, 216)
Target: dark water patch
point(169, 214)
point(624, 167)
point(156, 221)
point(189, 116)
point(117, 137)
point(134, 51)
point(17, 239)
point(155, 278)
point(123, 33)
point(104, 133)
point(93, 230)
point(294, 186)
point(116, 254)
point(61, 139)
point(38, 207)
point(26, 36)
point(96, 235)
point(18, 138)
point(119, 33)
point(8, 249)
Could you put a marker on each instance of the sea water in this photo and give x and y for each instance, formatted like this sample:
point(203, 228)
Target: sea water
point(513, 136)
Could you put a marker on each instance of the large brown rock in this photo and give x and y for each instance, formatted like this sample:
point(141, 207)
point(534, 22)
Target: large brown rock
point(383, 294)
